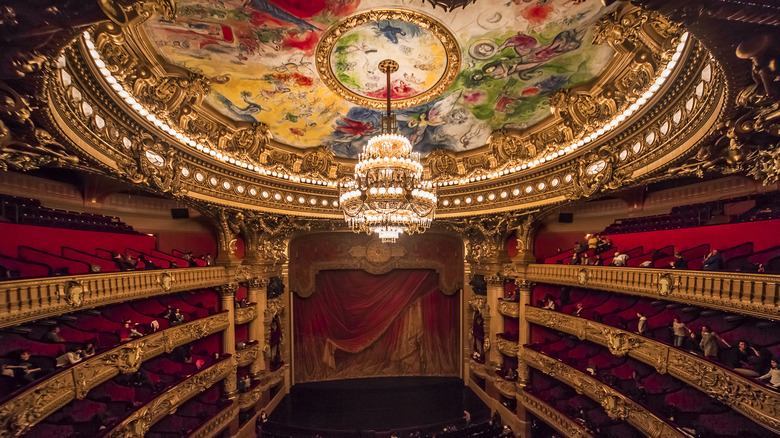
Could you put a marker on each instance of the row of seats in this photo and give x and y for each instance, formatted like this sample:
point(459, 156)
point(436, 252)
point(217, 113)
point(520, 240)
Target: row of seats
point(28, 211)
point(101, 328)
point(765, 206)
point(663, 395)
point(487, 429)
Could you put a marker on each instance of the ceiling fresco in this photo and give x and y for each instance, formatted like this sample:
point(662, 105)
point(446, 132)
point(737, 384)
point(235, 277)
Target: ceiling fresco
point(260, 58)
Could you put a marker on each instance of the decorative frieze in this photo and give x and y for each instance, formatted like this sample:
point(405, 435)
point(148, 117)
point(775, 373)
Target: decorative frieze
point(28, 300)
point(246, 314)
point(751, 294)
point(216, 423)
point(22, 412)
point(756, 401)
point(248, 355)
point(616, 405)
point(552, 416)
point(141, 420)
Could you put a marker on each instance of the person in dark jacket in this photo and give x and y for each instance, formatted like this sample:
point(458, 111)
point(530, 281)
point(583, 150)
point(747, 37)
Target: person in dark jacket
point(679, 261)
point(713, 261)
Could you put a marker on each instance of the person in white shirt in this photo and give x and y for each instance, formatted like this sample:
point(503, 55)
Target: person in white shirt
point(619, 259)
point(773, 375)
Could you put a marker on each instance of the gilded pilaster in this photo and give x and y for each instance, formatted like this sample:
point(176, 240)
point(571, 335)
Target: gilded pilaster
point(256, 293)
point(495, 290)
point(524, 289)
point(228, 294)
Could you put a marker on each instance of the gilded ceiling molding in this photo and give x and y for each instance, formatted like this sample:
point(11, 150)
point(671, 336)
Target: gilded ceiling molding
point(616, 405)
point(553, 417)
point(21, 413)
point(754, 400)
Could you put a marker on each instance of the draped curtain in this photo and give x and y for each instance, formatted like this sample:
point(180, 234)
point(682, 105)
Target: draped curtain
point(361, 325)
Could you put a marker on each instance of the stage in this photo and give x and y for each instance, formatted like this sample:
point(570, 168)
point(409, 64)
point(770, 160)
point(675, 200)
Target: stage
point(376, 406)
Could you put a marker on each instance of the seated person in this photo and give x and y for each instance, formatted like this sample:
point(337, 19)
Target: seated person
point(73, 356)
point(53, 335)
point(713, 261)
point(679, 261)
point(176, 318)
point(88, 350)
point(619, 259)
point(148, 265)
point(128, 331)
point(24, 372)
point(578, 310)
point(774, 373)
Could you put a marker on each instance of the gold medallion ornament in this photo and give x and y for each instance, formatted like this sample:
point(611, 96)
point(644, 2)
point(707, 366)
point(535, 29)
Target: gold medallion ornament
point(338, 71)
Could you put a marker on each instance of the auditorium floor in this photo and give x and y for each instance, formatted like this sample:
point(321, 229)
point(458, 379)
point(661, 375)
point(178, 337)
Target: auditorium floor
point(377, 405)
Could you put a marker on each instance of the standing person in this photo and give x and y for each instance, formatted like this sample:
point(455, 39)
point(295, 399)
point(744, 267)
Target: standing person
point(593, 241)
point(680, 331)
point(641, 327)
point(679, 261)
point(578, 248)
point(709, 342)
point(713, 261)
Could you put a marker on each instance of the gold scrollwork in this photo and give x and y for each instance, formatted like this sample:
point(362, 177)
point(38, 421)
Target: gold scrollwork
point(331, 36)
point(73, 293)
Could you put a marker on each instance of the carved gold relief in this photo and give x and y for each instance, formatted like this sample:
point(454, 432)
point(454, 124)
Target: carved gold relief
point(754, 400)
point(442, 164)
point(552, 416)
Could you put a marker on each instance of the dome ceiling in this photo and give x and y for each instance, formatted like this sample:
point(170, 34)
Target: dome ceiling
point(309, 72)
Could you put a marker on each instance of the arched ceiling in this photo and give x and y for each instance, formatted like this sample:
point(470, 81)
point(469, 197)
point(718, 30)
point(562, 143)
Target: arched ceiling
point(308, 70)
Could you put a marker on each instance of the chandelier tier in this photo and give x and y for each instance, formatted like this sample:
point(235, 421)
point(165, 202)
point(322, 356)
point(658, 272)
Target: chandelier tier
point(388, 194)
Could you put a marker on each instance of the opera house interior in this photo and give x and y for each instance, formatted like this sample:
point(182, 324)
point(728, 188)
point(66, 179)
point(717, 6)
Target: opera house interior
point(389, 218)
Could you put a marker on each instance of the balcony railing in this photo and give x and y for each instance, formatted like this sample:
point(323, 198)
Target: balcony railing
point(552, 416)
point(246, 314)
point(752, 294)
point(142, 419)
point(31, 299)
point(509, 308)
point(248, 355)
point(507, 347)
point(216, 423)
point(616, 405)
point(755, 401)
point(21, 413)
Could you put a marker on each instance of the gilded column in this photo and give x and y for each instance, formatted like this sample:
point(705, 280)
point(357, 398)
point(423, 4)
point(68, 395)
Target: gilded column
point(495, 290)
point(256, 293)
point(228, 294)
point(524, 288)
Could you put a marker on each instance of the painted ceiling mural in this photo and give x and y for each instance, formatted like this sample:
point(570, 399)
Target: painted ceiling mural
point(259, 56)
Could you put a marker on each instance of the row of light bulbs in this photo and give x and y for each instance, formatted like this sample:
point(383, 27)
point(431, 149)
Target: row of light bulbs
point(136, 106)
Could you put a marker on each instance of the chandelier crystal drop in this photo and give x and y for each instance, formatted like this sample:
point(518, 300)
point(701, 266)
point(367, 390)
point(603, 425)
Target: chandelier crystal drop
point(388, 194)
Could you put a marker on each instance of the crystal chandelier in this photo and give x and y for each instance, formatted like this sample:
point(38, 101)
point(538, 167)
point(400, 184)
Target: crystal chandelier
point(388, 195)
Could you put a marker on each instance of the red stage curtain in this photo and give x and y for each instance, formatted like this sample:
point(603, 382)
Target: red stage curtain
point(361, 325)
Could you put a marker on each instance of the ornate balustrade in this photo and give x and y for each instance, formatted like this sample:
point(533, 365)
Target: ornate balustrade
point(617, 406)
point(508, 348)
point(755, 401)
point(751, 294)
point(246, 314)
point(480, 369)
point(21, 413)
point(552, 416)
point(506, 387)
point(142, 419)
point(216, 423)
point(27, 300)
point(509, 308)
point(248, 355)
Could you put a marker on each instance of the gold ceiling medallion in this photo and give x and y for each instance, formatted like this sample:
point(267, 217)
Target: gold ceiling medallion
point(336, 80)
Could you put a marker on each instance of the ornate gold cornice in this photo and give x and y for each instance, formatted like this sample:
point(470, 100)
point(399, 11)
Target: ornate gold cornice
point(553, 417)
point(216, 423)
point(22, 412)
point(617, 405)
point(141, 420)
point(246, 314)
point(28, 300)
point(755, 401)
point(751, 294)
